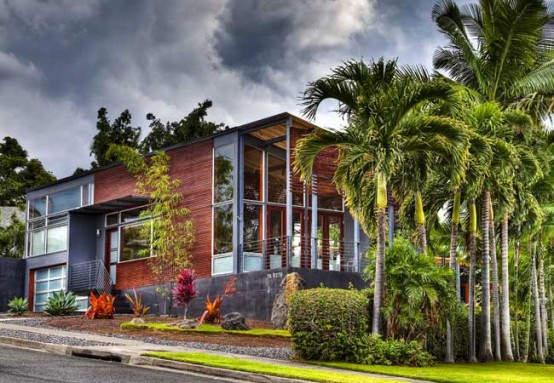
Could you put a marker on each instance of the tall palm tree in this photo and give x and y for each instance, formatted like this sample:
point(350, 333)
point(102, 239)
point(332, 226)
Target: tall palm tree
point(385, 109)
point(502, 50)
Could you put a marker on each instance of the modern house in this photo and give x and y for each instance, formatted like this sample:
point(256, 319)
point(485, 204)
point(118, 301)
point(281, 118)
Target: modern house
point(253, 218)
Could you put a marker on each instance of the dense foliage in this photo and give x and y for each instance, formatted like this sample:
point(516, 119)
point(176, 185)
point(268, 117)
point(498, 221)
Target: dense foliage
point(18, 173)
point(185, 290)
point(329, 324)
point(12, 238)
point(61, 303)
point(18, 306)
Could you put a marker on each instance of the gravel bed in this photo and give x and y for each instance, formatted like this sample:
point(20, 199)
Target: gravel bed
point(283, 353)
point(54, 339)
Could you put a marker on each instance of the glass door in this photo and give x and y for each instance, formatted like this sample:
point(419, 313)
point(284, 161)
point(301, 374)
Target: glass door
point(112, 253)
point(276, 237)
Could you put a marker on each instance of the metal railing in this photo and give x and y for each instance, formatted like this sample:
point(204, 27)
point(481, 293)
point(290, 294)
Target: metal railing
point(89, 276)
point(296, 251)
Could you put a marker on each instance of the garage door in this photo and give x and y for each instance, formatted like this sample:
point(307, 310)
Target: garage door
point(47, 282)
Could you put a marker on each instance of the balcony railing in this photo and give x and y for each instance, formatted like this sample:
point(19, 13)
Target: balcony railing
point(296, 251)
point(89, 276)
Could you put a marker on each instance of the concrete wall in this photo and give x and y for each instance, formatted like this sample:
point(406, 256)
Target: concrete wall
point(255, 290)
point(12, 279)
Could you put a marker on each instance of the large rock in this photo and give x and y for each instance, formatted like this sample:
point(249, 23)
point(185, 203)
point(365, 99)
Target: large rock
point(185, 323)
point(289, 285)
point(234, 321)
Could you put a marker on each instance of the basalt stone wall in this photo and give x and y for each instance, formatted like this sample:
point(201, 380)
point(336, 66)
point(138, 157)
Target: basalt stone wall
point(255, 291)
point(12, 280)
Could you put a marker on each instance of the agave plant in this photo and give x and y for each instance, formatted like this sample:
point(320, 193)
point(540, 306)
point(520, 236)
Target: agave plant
point(61, 303)
point(17, 306)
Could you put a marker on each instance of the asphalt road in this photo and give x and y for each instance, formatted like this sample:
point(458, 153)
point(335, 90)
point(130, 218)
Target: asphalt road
point(28, 366)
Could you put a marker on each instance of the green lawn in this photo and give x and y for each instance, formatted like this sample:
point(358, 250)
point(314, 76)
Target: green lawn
point(206, 328)
point(462, 373)
point(265, 368)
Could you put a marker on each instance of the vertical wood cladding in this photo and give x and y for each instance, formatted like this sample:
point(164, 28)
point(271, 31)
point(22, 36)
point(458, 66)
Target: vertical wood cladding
point(192, 165)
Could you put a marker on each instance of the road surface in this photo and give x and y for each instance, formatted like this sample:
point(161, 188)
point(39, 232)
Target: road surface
point(28, 366)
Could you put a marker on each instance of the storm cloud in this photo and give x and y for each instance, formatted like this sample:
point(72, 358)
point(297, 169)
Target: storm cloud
point(62, 60)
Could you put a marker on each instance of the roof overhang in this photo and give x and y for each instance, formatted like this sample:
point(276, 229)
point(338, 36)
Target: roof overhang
point(113, 205)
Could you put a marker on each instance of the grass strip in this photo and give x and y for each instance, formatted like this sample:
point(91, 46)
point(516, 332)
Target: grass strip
point(205, 329)
point(265, 368)
point(495, 372)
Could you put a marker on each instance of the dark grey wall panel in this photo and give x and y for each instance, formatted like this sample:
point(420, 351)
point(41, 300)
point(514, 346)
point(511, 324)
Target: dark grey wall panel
point(255, 291)
point(12, 279)
point(82, 238)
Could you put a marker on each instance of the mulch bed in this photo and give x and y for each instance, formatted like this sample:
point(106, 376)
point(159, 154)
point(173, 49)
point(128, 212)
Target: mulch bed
point(111, 327)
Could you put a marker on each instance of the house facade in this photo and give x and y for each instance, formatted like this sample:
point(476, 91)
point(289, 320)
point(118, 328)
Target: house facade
point(253, 218)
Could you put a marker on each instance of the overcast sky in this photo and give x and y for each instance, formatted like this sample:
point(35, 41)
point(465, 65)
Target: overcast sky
point(60, 61)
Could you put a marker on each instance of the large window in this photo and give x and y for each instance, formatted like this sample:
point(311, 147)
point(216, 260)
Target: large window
point(253, 173)
point(48, 219)
point(130, 235)
point(276, 180)
point(223, 219)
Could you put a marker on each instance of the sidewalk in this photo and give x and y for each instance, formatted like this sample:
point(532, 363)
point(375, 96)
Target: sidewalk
point(130, 351)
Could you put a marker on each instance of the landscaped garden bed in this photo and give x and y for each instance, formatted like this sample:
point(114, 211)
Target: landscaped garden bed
point(157, 327)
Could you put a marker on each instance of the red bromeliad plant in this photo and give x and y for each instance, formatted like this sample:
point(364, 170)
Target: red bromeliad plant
point(101, 307)
point(213, 308)
point(185, 289)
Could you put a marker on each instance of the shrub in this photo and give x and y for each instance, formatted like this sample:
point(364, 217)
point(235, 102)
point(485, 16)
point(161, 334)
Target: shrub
point(101, 307)
point(185, 289)
point(213, 308)
point(436, 336)
point(329, 324)
point(61, 303)
point(396, 352)
point(18, 306)
point(139, 310)
point(550, 352)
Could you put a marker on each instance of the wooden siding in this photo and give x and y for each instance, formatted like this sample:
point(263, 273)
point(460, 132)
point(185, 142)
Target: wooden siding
point(192, 164)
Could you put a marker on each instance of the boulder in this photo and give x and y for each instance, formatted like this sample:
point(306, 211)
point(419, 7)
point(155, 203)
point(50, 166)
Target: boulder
point(186, 323)
point(137, 320)
point(289, 285)
point(234, 321)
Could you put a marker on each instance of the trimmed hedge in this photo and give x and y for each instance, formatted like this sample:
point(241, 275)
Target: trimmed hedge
point(329, 324)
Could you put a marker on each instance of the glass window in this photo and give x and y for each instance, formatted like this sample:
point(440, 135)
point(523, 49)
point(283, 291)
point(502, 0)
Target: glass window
point(223, 229)
point(37, 207)
point(276, 180)
point(252, 173)
point(252, 228)
point(64, 200)
point(37, 242)
point(223, 174)
point(112, 219)
point(57, 220)
point(57, 239)
point(135, 242)
point(41, 274)
point(222, 265)
point(47, 282)
point(131, 215)
point(87, 194)
point(37, 224)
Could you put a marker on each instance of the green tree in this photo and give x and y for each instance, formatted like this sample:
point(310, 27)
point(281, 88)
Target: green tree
point(191, 127)
point(172, 230)
point(120, 132)
point(18, 173)
point(12, 238)
point(384, 105)
point(502, 50)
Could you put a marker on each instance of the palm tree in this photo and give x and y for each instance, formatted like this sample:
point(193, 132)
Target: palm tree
point(385, 109)
point(501, 50)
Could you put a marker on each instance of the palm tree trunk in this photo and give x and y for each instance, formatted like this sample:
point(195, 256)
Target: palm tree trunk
point(471, 282)
point(485, 351)
point(544, 316)
point(516, 296)
point(495, 300)
point(505, 328)
point(537, 304)
point(525, 355)
point(551, 309)
point(452, 263)
point(420, 221)
point(380, 259)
